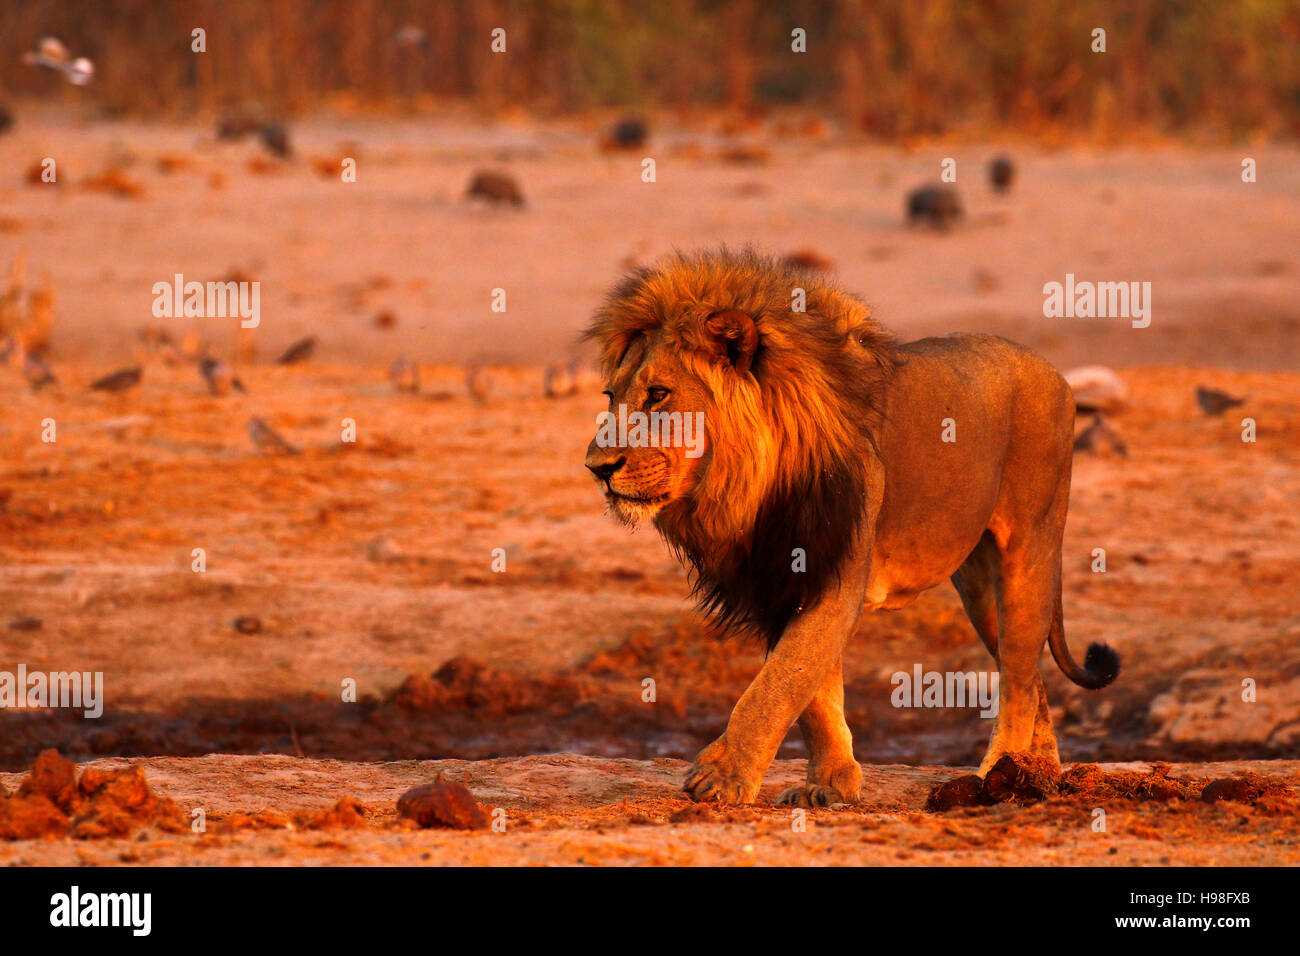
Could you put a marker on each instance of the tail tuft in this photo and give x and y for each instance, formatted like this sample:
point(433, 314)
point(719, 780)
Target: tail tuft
point(1102, 664)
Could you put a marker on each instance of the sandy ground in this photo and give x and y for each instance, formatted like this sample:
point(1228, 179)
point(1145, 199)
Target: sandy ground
point(330, 255)
point(575, 810)
point(371, 562)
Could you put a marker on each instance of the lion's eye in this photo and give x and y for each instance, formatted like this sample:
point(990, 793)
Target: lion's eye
point(658, 394)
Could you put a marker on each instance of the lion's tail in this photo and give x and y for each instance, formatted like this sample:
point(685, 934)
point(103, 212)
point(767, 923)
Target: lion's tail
point(1100, 664)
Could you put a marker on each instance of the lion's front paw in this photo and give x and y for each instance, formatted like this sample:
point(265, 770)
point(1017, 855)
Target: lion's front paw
point(716, 779)
point(813, 795)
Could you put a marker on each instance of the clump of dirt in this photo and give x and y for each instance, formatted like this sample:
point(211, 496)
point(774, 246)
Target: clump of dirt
point(1261, 793)
point(463, 683)
point(442, 804)
point(348, 814)
point(52, 802)
point(1086, 782)
point(1024, 778)
point(964, 791)
point(1015, 778)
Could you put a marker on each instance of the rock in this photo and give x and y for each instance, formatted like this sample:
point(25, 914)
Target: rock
point(1205, 707)
point(1097, 389)
point(52, 776)
point(442, 804)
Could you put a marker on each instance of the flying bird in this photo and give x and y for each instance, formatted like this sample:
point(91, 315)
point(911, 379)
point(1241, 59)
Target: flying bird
point(298, 352)
point(1214, 402)
point(53, 55)
point(267, 439)
point(119, 381)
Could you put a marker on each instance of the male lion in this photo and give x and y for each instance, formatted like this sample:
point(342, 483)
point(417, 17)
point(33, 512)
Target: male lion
point(886, 468)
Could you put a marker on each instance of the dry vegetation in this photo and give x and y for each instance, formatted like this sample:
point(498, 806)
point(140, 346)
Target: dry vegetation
point(890, 68)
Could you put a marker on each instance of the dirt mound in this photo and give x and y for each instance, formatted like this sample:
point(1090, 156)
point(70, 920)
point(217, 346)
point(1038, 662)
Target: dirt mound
point(1024, 778)
point(52, 802)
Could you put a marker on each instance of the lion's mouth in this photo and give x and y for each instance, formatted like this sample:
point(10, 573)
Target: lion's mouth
point(636, 499)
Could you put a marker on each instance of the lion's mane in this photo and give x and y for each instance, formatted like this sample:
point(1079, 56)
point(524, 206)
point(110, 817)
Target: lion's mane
point(790, 438)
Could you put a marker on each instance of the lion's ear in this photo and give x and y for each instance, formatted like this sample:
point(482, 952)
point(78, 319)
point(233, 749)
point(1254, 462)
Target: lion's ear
point(735, 337)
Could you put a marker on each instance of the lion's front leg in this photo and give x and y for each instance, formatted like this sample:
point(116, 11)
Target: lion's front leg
point(834, 776)
point(730, 769)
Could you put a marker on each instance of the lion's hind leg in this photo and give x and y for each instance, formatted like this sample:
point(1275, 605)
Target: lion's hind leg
point(833, 775)
point(978, 581)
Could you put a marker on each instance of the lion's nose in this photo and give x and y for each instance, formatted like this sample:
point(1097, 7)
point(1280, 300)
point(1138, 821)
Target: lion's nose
point(606, 469)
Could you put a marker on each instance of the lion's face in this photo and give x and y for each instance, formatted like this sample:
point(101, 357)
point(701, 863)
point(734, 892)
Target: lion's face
point(650, 447)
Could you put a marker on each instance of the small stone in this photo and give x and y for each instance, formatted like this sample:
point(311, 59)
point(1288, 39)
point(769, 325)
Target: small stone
point(442, 804)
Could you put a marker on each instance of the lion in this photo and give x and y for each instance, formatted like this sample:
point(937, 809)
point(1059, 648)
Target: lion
point(838, 471)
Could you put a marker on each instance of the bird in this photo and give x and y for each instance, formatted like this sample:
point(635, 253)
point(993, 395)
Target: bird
point(1098, 437)
point(275, 137)
point(298, 352)
point(6, 120)
point(267, 439)
point(12, 350)
point(119, 381)
point(935, 206)
point(494, 187)
point(219, 376)
point(1214, 402)
point(53, 55)
point(478, 383)
point(558, 381)
point(405, 376)
point(37, 373)
point(630, 132)
point(237, 121)
point(1002, 172)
